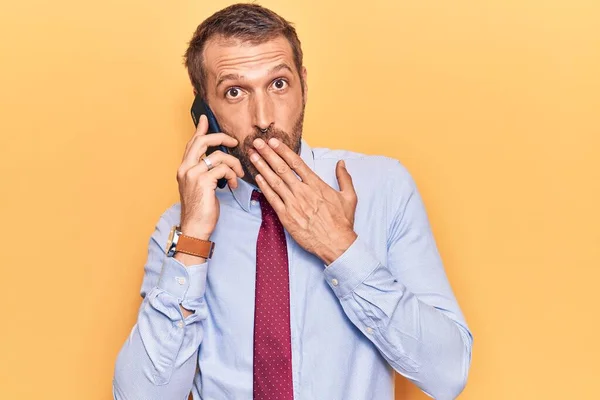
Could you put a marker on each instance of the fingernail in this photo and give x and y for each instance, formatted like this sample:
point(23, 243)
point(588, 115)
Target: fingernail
point(254, 157)
point(259, 143)
point(343, 164)
point(274, 142)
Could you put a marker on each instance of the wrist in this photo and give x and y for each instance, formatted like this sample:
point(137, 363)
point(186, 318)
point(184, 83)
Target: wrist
point(189, 246)
point(195, 232)
point(339, 247)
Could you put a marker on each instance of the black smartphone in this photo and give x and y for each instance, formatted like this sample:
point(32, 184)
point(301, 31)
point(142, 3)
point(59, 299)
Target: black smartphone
point(200, 107)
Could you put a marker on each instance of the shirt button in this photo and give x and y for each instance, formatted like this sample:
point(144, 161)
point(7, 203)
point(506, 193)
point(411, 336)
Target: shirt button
point(180, 324)
point(334, 282)
point(180, 280)
point(369, 330)
point(254, 202)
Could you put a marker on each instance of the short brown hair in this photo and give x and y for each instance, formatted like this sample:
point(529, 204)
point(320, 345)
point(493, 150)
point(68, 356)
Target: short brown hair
point(246, 22)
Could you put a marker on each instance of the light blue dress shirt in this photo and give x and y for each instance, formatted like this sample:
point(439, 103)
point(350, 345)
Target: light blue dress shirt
point(383, 305)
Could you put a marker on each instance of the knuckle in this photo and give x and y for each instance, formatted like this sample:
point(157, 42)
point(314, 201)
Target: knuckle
point(195, 141)
point(276, 183)
point(231, 160)
point(190, 174)
point(203, 139)
point(228, 172)
point(282, 169)
point(297, 163)
point(201, 149)
point(222, 168)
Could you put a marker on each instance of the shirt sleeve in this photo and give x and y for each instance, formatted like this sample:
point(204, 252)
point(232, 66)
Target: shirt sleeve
point(406, 306)
point(158, 360)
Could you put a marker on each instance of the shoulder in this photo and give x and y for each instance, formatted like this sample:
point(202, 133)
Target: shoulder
point(367, 170)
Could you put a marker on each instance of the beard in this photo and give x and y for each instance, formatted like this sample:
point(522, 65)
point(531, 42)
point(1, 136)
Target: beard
point(292, 139)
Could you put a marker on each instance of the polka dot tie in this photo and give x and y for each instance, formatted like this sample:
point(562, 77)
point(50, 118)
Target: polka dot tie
point(272, 341)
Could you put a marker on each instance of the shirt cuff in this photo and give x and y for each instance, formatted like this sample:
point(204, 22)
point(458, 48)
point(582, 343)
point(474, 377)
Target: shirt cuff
point(351, 268)
point(181, 281)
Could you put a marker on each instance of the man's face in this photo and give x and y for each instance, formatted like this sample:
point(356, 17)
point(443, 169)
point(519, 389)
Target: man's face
point(253, 87)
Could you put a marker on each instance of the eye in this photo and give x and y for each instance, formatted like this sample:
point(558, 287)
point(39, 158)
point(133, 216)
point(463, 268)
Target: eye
point(233, 93)
point(280, 84)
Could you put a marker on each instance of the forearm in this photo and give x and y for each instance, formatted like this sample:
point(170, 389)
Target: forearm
point(419, 341)
point(168, 374)
point(423, 343)
point(158, 359)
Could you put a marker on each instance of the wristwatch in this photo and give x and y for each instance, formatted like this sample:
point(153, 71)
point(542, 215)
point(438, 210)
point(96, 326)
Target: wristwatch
point(179, 242)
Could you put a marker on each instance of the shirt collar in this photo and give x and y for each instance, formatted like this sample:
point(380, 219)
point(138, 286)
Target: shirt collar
point(243, 192)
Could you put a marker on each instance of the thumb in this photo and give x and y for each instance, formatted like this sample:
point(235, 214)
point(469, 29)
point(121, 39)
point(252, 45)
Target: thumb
point(344, 178)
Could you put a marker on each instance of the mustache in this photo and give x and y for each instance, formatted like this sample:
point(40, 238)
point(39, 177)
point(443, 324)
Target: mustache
point(271, 132)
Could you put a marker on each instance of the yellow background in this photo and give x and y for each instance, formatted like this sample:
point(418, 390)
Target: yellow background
point(494, 106)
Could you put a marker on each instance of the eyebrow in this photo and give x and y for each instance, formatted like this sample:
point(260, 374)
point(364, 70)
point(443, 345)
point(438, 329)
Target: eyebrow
point(233, 77)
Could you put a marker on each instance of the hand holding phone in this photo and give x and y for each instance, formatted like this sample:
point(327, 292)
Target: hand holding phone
point(197, 183)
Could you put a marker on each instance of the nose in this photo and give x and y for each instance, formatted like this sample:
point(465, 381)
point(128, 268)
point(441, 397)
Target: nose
point(262, 111)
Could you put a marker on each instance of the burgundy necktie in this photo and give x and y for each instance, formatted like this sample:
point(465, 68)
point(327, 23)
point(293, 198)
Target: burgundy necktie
point(272, 340)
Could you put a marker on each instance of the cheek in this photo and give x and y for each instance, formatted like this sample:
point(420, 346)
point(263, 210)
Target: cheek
point(236, 122)
point(287, 112)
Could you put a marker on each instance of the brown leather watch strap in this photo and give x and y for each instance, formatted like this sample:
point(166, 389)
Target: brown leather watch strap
point(195, 247)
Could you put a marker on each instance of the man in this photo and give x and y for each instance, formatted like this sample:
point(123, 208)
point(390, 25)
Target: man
point(325, 277)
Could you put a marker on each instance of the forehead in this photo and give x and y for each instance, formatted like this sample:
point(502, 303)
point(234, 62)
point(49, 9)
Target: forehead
point(222, 56)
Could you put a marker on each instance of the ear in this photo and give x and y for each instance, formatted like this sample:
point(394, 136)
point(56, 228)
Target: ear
point(305, 88)
point(195, 92)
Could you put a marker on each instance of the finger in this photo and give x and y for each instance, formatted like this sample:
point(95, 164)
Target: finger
point(201, 129)
point(277, 164)
point(202, 143)
point(224, 171)
point(218, 157)
point(199, 143)
point(292, 159)
point(198, 172)
point(274, 181)
point(344, 178)
point(271, 195)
